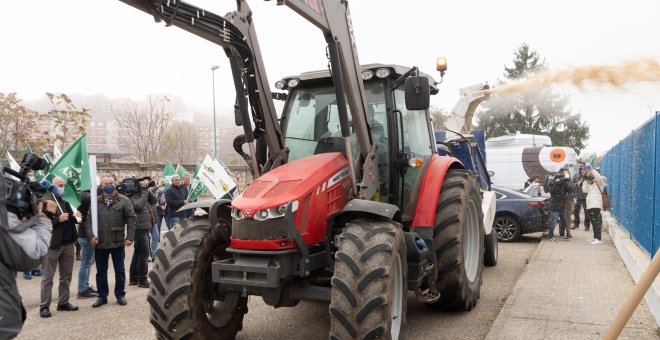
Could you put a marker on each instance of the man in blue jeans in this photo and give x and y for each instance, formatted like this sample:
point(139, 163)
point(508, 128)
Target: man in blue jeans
point(87, 251)
point(161, 213)
point(557, 186)
point(176, 197)
point(116, 230)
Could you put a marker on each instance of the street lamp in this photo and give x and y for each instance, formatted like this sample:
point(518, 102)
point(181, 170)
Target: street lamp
point(215, 139)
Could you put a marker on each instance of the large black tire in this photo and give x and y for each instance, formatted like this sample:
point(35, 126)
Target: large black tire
point(458, 234)
point(181, 293)
point(369, 286)
point(491, 251)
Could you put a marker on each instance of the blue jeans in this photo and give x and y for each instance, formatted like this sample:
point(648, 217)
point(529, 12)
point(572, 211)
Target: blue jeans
point(139, 267)
point(86, 261)
point(173, 220)
point(102, 256)
point(563, 222)
point(155, 232)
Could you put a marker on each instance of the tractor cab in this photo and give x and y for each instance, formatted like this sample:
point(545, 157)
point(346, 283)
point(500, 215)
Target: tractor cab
point(311, 126)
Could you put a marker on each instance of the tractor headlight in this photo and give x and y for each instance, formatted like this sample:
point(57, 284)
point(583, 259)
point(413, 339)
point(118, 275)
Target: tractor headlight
point(275, 212)
point(236, 214)
point(280, 84)
point(383, 73)
point(368, 74)
point(293, 83)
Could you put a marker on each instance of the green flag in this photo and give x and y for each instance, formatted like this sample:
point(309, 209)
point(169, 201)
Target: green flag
point(592, 161)
point(180, 170)
point(167, 174)
point(197, 188)
point(73, 167)
point(28, 149)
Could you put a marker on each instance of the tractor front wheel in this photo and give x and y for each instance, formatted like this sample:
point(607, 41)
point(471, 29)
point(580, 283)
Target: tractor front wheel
point(183, 299)
point(369, 286)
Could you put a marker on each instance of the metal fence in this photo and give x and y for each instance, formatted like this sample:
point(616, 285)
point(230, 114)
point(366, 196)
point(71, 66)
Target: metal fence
point(632, 168)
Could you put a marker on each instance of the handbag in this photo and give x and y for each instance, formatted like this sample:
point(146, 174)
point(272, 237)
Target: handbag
point(606, 198)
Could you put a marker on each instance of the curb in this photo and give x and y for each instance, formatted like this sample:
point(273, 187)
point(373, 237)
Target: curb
point(636, 261)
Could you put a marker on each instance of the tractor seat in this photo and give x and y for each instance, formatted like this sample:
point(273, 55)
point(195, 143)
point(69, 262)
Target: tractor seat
point(330, 144)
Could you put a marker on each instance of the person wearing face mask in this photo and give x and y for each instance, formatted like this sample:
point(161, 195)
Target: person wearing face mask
point(116, 230)
point(570, 199)
point(60, 252)
point(593, 185)
point(143, 203)
point(534, 188)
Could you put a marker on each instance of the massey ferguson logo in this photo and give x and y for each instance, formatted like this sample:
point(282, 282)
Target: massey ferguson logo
point(248, 213)
point(314, 4)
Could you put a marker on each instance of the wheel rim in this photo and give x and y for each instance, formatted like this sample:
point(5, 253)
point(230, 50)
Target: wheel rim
point(218, 309)
point(471, 242)
point(506, 228)
point(397, 299)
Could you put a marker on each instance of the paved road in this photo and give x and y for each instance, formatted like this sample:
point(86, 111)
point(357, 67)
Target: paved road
point(309, 320)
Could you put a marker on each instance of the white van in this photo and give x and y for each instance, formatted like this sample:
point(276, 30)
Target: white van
point(513, 159)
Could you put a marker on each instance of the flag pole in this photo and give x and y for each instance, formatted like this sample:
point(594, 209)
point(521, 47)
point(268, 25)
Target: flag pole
point(92, 195)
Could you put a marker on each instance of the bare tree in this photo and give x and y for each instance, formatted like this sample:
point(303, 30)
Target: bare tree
point(143, 126)
point(181, 143)
point(438, 117)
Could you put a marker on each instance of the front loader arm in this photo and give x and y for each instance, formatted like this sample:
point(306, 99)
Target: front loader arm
point(236, 35)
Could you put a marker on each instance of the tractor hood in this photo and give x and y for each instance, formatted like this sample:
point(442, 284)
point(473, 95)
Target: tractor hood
point(291, 182)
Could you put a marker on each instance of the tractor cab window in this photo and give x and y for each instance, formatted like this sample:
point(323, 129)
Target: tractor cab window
point(311, 125)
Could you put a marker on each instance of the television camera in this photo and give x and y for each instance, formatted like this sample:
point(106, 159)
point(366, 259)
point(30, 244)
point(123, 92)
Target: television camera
point(130, 185)
point(21, 192)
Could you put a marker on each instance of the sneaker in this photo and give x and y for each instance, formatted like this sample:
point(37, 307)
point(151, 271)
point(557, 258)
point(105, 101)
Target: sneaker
point(591, 240)
point(27, 275)
point(566, 238)
point(553, 239)
point(596, 242)
point(92, 290)
point(37, 272)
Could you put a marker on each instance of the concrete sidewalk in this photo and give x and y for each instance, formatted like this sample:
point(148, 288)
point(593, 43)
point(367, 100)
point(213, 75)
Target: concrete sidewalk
point(571, 290)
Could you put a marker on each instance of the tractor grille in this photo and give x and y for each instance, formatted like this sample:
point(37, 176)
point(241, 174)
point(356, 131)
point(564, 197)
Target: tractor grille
point(251, 229)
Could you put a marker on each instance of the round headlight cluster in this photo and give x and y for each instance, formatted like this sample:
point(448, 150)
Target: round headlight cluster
point(383, 73)
point(293, 83)
point(237, 214)
point(280, 84)
point(277, 212)
point(368, 74)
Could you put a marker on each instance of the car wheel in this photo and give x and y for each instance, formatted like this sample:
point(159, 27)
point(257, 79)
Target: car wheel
point(508, 229)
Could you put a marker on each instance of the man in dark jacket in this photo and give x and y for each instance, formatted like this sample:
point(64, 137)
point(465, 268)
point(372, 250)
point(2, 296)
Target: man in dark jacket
point(161, 213)
point(176, 197)
point(557, 186)
point(60, 252)
point(143, 203)
point(116, 230)
point(581, 200)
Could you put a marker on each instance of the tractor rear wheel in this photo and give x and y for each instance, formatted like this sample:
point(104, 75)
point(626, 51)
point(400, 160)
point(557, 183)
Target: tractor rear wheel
point(182, 295)
point(369, 286)
point(458, 235)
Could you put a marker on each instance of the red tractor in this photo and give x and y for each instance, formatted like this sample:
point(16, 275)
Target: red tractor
point(352, 204)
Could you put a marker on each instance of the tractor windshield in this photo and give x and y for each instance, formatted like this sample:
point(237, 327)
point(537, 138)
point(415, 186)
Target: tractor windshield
point(312, 120)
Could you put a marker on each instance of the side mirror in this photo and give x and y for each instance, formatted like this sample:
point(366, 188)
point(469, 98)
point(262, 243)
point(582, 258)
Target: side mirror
point(418, 93)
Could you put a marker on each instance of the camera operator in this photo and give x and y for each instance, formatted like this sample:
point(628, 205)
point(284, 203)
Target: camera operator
point(24, 240)
point(592, 185)
point(557, 186)
point(143, 202)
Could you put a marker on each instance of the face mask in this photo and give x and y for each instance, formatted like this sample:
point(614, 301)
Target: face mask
point(108, 188)
point(567, 175)
point(58, 191)
point(32, 178)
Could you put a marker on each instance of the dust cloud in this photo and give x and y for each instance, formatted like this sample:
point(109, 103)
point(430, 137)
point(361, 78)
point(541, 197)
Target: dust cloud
point(628, 72)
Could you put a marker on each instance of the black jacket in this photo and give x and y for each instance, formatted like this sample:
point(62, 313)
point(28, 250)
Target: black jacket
point(143, 206)
point(559, 192)
point(62, 230)
point(175, 196)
